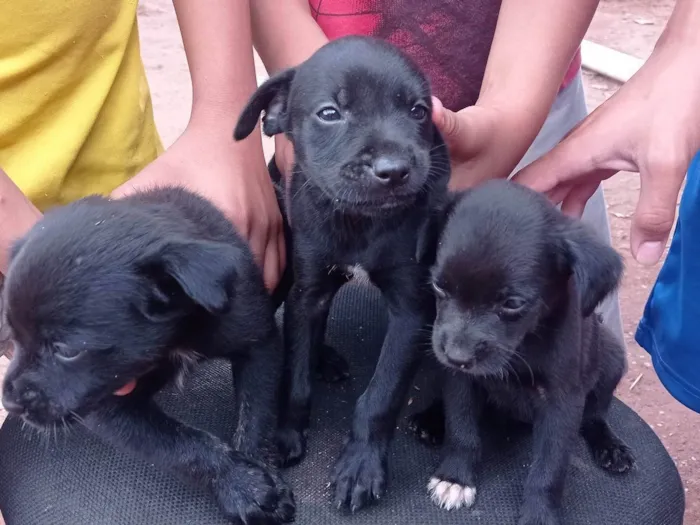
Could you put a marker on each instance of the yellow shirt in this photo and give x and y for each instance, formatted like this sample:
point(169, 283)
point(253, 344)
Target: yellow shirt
point(75, 108)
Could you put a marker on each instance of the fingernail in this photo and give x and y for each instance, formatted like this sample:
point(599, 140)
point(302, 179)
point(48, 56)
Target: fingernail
point(649, 253)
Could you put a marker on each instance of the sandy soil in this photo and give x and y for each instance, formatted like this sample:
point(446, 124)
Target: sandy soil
point(631, 26)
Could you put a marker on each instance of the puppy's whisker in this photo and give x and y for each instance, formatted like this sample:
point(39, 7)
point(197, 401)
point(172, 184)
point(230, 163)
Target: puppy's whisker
point(527, 365)
point(301, 189)
point(439, 170)
point(77, 417)
point(65, 427)
point(514, 372)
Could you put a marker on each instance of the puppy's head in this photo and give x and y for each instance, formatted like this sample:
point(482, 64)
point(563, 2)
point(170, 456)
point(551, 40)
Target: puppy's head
point(507, 263)
point(96, 295)
point(359, 115)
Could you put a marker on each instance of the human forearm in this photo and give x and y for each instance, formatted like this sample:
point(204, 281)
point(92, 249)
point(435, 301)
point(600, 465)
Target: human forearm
point(285, 33)
point(532, 49)
point(682, 27)
point(218, 43)
point(17, 215)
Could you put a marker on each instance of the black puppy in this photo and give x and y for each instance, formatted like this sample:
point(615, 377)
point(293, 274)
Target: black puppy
point(101, 293)
point(369, 166)
point(517, 283)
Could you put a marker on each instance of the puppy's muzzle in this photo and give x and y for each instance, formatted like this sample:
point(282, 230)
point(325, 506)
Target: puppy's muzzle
point(462, 353)
point(22, 400)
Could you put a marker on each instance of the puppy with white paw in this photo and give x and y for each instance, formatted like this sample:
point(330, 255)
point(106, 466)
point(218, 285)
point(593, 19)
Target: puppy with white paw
point(517, 284)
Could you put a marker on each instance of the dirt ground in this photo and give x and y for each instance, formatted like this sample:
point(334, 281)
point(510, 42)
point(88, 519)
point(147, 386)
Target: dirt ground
point(631, 26)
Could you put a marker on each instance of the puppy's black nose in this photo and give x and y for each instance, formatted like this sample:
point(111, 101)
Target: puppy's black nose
point(391, 170)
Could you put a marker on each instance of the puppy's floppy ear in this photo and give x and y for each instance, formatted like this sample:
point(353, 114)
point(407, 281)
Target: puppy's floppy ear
point(596, 266)
point(271, 98)
point(204, 271)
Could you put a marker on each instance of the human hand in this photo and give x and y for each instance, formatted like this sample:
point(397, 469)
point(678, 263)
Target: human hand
point(650, 126)
point(206, 160)
point(17, 216)
point(484, 142)
point(284, 155)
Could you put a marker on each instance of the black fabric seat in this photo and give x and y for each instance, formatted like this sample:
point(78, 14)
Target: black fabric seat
point(76, 480)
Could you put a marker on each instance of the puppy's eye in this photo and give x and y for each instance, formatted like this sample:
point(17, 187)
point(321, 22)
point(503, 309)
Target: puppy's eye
point(329, 114)
point(439, 292)
point(66, 353)
point(419, 112)
point(513, 306)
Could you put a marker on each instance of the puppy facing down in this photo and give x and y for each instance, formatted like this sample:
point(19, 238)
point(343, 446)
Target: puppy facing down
point(517, 283)
point(369, 166)
point(122, 296)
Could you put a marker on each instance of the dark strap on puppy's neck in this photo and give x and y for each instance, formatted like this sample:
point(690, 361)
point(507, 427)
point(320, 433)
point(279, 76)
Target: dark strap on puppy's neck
point(287, 188)
point(282, 188)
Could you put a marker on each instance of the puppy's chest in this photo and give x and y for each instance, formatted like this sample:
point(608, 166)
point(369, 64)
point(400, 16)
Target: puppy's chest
point(361, 264)
point(354, 272)
point(522, 400)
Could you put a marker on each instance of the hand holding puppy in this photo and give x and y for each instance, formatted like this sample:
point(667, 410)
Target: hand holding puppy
point(475, 137)
point(650, 126)
point(205, 160)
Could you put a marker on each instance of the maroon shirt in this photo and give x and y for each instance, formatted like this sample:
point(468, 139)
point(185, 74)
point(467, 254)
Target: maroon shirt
point(449, 39)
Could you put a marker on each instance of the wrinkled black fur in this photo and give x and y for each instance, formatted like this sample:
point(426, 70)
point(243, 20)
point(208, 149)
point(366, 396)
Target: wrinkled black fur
point(101, 292)
point(517, 283)
point(343, 214)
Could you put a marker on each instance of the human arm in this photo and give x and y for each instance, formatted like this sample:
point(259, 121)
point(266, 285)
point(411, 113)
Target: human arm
point(532, 48)
point(650, 126)
point(17, 216)
point(285, 34)
point(218, 43)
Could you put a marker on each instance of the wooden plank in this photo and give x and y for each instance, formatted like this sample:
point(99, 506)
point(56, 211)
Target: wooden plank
point(609, 62)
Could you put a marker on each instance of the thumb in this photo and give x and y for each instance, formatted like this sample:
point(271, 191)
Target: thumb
point(446, 121)
point(656, 212)
point(464, 132)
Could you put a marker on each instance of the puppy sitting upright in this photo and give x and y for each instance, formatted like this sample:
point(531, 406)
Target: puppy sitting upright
point(369, 166)
point(122, 296)
point(517, 283)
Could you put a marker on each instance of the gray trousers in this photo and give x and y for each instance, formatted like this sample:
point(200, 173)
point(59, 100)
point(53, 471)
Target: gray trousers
point(568, 110)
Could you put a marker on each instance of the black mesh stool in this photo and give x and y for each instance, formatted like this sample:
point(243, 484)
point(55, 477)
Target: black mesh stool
point(76, 480)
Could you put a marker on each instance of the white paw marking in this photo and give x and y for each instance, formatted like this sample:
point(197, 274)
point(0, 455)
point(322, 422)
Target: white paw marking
point(451, 496)
point(358, 274)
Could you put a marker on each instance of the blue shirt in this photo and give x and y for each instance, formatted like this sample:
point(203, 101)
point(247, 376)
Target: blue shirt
point(670, 327)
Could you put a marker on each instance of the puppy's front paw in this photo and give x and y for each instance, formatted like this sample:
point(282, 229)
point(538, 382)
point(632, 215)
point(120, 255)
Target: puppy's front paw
point(451, 496)
point(609, 451)
point(538, 516)
point(332, 367)
point(429, 426)
point(615, 457)
point(249, 493)
point(292, 446)
point(360, 475)
point(452, 486)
